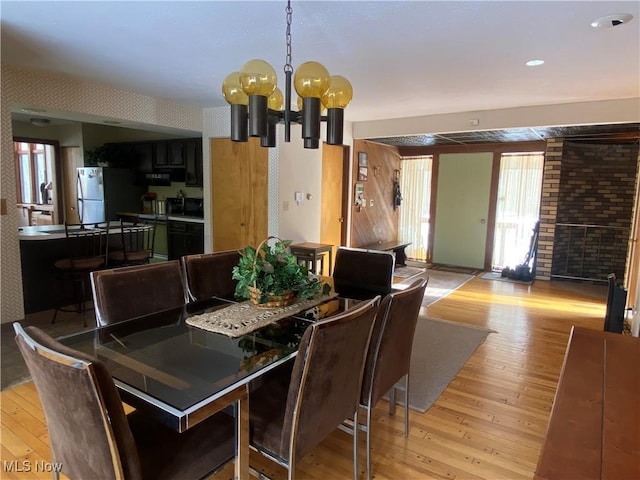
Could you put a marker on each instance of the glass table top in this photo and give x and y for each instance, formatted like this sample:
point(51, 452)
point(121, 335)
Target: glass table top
point(173, 364)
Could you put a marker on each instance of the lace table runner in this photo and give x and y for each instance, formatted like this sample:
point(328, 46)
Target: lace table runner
point(241, 318)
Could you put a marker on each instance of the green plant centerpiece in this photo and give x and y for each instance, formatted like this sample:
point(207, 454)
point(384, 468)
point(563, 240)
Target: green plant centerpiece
point(270, 276)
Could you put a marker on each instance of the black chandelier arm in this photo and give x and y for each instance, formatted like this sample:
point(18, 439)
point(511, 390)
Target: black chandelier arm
point(239, 123)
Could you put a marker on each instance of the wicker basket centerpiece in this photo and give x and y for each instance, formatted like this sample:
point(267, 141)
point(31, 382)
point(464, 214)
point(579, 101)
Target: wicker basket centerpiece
point(270, 276)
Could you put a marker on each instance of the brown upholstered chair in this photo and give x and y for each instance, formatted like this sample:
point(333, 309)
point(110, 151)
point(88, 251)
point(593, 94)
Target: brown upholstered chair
point(293, 414)
point(137, 242)
point(128, 292)
point(86, 250)
point(389, 355)
point(360, 273)
point(90, 435)
point(209, 274)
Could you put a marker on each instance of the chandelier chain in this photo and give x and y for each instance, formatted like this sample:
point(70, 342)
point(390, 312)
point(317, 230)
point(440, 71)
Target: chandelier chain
point(288, 67)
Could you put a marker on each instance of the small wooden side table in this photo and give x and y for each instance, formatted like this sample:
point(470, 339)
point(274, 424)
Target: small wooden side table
point(310, 253)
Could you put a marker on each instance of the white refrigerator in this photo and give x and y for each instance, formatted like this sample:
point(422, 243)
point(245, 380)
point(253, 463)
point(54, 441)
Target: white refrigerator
point(102, 192)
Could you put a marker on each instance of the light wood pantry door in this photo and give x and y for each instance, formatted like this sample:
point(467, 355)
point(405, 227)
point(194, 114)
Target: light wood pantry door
point(333, 215)
point(462, 209)
point(71, 160)
point(239, 173)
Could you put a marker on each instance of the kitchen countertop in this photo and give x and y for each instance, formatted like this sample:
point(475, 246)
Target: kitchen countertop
point(53, 232)
point(165, 217)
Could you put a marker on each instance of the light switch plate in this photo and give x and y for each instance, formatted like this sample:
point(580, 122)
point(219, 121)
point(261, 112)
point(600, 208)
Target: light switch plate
point(299, 197)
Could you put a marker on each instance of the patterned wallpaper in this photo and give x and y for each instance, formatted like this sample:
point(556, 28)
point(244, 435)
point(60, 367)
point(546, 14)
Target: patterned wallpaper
point(28, 88)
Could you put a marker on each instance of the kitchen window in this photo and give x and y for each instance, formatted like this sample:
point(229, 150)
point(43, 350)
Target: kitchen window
point(35, 172)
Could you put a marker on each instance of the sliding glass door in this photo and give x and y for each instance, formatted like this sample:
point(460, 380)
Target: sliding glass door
point(517, 207)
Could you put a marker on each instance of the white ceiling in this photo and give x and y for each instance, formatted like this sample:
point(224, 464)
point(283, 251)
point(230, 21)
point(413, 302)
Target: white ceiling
point(404, 58)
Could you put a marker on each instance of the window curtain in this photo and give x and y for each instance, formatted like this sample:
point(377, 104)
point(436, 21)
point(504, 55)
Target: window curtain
point(517, 208)
point(415, 185)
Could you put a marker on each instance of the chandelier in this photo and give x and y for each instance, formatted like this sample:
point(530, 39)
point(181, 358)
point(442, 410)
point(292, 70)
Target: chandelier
point(257, 103)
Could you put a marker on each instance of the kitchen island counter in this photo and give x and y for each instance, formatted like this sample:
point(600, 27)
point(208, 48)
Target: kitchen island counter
point(53, 232)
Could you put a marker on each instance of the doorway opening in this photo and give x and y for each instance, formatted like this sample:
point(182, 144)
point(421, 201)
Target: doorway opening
point(414, 220)
point(517, 207)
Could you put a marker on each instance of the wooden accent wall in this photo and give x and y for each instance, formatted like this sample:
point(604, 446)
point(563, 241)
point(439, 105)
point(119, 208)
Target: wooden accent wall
point(377, 223)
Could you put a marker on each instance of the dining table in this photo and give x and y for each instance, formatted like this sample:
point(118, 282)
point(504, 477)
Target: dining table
point(180, 374)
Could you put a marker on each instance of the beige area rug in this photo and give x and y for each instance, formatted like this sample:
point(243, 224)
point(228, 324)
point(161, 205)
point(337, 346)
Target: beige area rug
point(497, 276)
point(441, 284)
point(440, 350)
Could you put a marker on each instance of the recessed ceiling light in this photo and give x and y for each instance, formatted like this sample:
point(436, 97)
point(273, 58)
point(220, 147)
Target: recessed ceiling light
point(534, 63)
point(611, 21)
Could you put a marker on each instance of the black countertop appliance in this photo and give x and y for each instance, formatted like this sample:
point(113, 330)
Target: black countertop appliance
point(187, 206)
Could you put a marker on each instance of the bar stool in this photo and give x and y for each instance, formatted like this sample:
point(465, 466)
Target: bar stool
point(87, 249)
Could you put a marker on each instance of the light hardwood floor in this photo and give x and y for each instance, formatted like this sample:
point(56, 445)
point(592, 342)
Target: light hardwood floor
point(489, 423)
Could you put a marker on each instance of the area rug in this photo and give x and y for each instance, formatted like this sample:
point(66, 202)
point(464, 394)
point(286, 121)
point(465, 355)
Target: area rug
point(440, 350)
point(442, 284)
point(498, 277)
point(407, 271)
point(455, 269)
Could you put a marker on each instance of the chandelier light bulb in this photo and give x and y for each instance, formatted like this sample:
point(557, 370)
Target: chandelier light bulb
point(339, 94)
point(276, 100)
point(257, 77)
point(311, 79)
point(232, 90)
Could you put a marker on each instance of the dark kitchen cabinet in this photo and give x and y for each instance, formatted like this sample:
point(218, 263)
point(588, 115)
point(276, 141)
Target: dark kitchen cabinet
point(161, 159)
point(193, 162)
point(185, 238)
point(182, 158)
point(175, 153)
point(142, 154)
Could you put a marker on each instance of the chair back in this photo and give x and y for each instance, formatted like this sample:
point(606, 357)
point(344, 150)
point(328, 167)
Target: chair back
point(360, 273)
point(137, 243)
point(209, 274)
point(88, 429)
point(326, 378)
point(86, 246)
point(128, 292)
point(389, 354)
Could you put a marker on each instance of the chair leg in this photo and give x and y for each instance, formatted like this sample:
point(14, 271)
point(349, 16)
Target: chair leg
point(392, 401)
point(368, 433)
point(355, 444)
point(406, 405)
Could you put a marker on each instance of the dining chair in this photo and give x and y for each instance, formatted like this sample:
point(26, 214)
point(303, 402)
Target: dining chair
point(128, 292)
point(289, 415)
point(360, 273)
point(209, 274)
point(86, 249)
point(389, 355)
point(137, 243)
point(90, 435)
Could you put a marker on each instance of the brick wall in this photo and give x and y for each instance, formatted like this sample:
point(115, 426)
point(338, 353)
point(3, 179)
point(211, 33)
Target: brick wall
point(549, 207)
point(587, 208)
